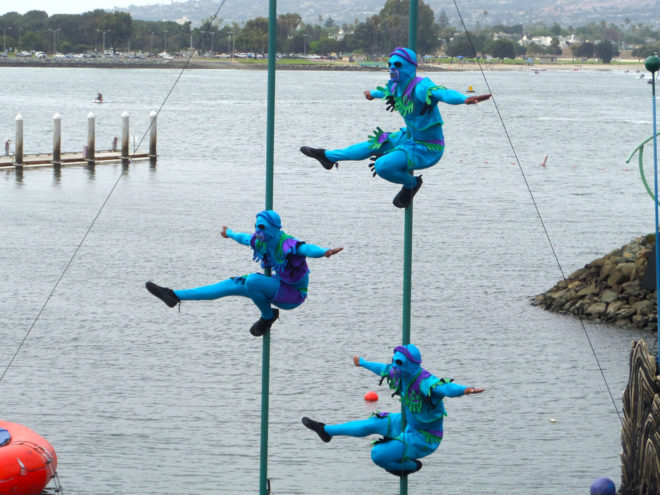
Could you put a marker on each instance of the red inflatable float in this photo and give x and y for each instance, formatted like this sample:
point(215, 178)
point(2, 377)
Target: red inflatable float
point(27, 461)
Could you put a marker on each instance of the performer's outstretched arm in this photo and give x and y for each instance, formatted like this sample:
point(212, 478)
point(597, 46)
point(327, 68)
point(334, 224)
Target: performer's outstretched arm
point(239, 237)
point(452, 389)
point(377, 368)
point(453, 97)
point(314, 251)
point(370, 94)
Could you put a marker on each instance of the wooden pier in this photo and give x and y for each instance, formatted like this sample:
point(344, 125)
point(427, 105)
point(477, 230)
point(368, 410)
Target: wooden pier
point(87, 156)
point(69, 159)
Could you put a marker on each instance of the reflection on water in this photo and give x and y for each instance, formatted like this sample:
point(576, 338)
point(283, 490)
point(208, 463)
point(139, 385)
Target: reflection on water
point(160, 401)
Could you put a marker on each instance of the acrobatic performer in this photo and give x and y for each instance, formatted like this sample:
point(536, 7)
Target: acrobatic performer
point(286, 288)
point(421, 394)
point(417, 146)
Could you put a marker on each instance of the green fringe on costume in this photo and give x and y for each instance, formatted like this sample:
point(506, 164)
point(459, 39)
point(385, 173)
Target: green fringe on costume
point(402, 105)
point(430, 437)
point(429, 91)
point(280, 258)
point(373, 140)
point(432, 146)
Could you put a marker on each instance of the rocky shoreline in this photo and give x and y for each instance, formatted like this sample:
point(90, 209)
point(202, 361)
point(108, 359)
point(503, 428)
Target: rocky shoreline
point(616, 288)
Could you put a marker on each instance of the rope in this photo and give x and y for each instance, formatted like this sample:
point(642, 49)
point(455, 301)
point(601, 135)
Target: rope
point(536, 207)
point(105, 202)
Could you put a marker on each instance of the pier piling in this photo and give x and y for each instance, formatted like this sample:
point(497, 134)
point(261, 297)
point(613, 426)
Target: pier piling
point(153, 122)
point(124, 136)
point(91, 149)
point(57, 139)
point(18, 147)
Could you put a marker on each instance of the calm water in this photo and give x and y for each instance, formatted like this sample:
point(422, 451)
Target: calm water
point(138, 398)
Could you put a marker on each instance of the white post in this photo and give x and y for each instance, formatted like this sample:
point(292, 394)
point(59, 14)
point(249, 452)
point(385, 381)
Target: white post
point(152, 135)
point(124, 136)
point(90, 137)
point(18, 147)
point(57, 138)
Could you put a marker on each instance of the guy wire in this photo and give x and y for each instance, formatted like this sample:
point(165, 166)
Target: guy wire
point(105, 201)
point(538, 212)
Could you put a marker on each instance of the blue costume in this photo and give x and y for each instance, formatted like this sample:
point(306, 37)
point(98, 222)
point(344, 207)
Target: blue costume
point(286, 288)
point(417, 146)
point(421, 395)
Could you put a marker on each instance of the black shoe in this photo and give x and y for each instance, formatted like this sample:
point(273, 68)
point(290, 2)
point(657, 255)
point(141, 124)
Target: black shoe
point(163, 293)
point(401, 474)
point(405, 196)
point(319, 154)
point(317, 427)
point(262, 325)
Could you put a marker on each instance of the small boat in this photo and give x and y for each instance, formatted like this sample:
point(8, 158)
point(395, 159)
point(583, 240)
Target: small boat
point(27, 461)
point(470, 89)
point(96, 100)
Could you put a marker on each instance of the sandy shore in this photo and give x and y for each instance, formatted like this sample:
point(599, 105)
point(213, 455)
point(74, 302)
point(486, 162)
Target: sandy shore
point(204, 63)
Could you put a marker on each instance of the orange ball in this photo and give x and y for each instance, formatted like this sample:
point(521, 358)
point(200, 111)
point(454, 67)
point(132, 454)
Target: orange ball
point(371, 396)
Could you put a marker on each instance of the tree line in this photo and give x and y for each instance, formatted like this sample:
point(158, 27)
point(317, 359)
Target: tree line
point(98, 29)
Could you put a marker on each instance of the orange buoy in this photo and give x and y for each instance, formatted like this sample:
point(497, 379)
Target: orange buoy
point(371, 396)
point(27, 461)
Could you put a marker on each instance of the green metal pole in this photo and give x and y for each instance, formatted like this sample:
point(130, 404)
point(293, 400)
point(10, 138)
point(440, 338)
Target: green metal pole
point(407, 244)
point(264, 488)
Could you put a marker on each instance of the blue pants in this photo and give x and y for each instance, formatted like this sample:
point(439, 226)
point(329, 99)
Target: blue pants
point(396, 453)
point(258, 287)
point(394, 157)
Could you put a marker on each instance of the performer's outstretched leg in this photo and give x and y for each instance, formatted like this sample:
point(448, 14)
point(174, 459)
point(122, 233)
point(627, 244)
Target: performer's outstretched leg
point(260, 288)
point(359, 151)
point(361, 428)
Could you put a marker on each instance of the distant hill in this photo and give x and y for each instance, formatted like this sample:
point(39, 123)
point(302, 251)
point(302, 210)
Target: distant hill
point(526, 12)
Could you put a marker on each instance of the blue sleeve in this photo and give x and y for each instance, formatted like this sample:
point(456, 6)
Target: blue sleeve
point(239, 237)
point(448, 390)
point(310, 250)
point(448, 96)
point(377, 93)
point(377, 368)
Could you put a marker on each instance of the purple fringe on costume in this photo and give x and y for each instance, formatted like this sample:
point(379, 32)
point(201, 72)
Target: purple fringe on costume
point(415, 385)
point(296, 268)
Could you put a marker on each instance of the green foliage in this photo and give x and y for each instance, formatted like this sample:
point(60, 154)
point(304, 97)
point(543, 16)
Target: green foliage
point(254, 36)
point(374, 36)
point(502, 49)
point(605, 50)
